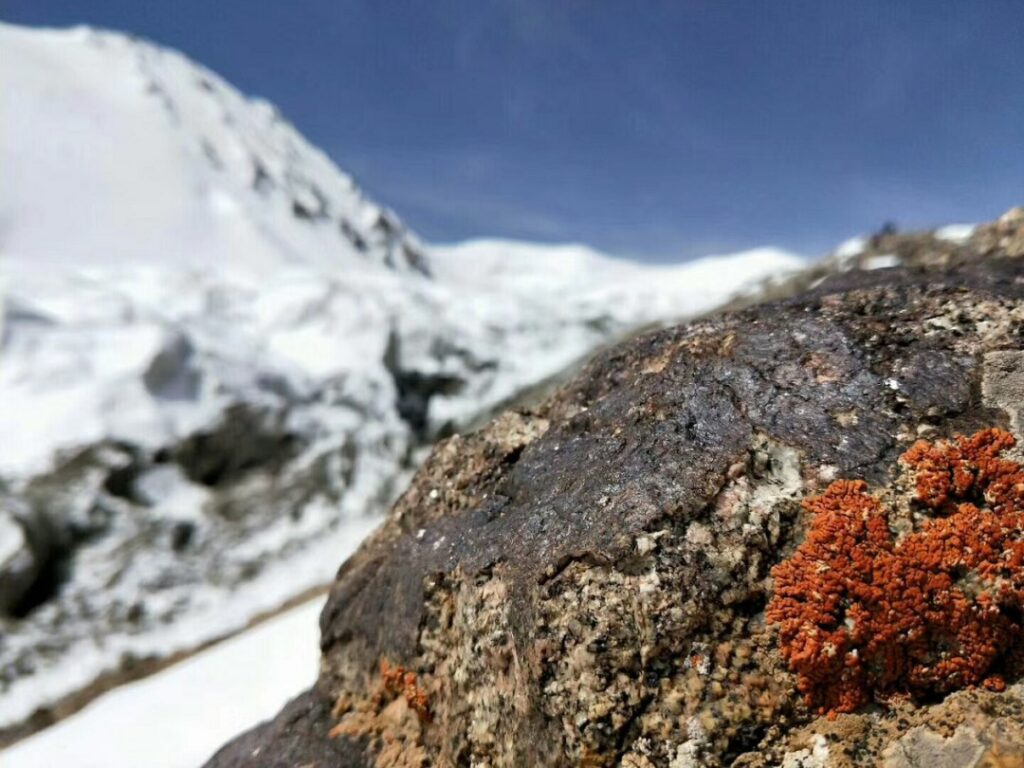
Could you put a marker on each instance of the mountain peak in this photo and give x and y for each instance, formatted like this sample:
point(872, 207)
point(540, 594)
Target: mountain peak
point(157, 157)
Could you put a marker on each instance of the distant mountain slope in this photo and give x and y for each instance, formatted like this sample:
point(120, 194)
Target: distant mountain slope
point(117, 149)
point(220, 360)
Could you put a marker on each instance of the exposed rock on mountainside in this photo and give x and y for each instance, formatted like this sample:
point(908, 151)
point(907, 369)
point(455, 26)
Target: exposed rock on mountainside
point(889, 247)
point(585, 582)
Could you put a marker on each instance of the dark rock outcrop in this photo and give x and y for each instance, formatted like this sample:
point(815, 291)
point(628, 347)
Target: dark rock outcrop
point(584, 583)
point(30, 546)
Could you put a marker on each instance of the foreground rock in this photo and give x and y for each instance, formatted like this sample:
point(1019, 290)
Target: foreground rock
point(585, 583)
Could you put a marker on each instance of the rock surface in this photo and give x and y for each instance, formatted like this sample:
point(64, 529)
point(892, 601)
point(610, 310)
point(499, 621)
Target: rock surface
point(584, 583)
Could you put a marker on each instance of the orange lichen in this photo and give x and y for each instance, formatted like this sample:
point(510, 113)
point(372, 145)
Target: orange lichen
point(400, 682)
point(862, 615)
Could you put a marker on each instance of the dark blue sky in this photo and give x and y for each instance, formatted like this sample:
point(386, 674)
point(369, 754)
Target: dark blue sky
point(662, 130)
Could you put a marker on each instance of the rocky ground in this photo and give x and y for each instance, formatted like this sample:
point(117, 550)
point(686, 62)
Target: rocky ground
point(585, 582)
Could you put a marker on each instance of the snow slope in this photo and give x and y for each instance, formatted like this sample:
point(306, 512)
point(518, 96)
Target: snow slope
point(100, 129)
point(220, 360)
point(179, 717)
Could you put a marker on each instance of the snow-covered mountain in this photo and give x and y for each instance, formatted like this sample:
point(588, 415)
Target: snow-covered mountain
point(220, 360)
point(189, 170)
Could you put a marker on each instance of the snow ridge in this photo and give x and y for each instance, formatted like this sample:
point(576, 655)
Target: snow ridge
point(190, 170)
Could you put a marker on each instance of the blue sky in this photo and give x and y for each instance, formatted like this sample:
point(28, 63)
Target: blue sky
point(648, 129)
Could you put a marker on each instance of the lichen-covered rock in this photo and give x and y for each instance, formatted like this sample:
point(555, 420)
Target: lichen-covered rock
point(917, 600)
point(585, 583)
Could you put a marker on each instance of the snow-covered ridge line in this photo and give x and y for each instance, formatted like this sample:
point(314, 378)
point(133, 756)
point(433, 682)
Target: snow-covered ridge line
point(187, 168)
point(220, 360)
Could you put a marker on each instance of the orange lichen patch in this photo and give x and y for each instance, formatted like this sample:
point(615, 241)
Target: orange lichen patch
point(400, 682)
point(862, 616)
point(952, 470)
point(390, 716)
point(392, 732)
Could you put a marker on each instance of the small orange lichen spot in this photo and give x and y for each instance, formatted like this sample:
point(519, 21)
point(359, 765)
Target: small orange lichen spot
point(995, 683)
point(863, 617)
point(400, 682)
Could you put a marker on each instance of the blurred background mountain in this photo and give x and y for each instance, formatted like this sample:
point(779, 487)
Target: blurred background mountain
point(664, 131)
